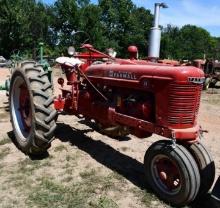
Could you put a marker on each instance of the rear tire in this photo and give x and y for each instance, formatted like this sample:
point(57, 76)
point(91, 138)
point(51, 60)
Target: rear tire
point(172, 173)
point(31, 108)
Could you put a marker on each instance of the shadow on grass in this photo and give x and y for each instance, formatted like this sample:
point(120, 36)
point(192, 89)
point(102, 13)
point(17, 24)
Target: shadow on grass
point(124, 165)
point(103, 153)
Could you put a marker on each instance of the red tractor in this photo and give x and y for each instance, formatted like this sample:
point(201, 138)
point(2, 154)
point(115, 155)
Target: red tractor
point(123, 96)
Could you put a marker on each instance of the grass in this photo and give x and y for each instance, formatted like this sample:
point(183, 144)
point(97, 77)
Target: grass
point(20, 180)
point(124, 149)
point(67, 192)
point(147, 199)
point(42, 187)
point(4, 152)
point(60, 148)
point(50, 193)
point(28, 166)
point(5, 141)
point(104, 202)
point(53, 194)
point(91, 174)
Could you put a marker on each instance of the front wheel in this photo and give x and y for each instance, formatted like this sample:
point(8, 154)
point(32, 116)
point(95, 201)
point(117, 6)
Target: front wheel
point(205, 164)
point(172, 173)
point(31, 108)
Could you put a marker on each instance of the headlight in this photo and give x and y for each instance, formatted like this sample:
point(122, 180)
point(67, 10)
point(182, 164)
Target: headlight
point(71, 50)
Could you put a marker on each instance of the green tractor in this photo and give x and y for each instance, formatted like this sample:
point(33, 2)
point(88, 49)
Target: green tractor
point(17, 58)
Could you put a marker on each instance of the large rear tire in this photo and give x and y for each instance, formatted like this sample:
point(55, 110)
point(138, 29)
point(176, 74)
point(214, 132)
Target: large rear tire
point(205, 164)
point(31, 108)
point(172, 173)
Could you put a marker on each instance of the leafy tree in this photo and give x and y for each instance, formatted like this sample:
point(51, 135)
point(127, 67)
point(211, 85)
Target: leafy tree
point(125, 24)
point(90, 22)
point(190, 42)
point(14, 24)
point(194, 42)
point(111, 23)
point(66, 20)
point(23, 24)
point(138, 30)
point(169, 42)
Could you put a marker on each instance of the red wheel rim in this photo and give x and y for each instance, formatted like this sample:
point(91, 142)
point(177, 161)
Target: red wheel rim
point(166, 174)
point(25, 107)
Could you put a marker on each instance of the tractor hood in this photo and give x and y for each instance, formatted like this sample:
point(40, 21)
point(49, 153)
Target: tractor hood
point(136, 72)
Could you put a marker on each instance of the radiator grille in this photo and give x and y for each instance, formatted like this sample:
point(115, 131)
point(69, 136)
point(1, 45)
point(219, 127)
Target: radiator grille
point(184, 100)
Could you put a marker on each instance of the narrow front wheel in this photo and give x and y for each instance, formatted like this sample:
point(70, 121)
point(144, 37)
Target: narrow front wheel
point(205, 164)
point(172, 173)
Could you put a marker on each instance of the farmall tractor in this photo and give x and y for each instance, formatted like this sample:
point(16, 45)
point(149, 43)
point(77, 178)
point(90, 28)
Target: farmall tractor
point(123, 96)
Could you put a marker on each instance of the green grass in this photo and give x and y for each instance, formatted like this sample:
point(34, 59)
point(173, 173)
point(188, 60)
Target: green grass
point(28, 166)
point(147, 199)
point(124, 149)
point(90, 174)
point(20, 180)
point(52, 194)
point(5, 141)
point(104, 202)
point(67, 179)
point(89, 188)
point(60, 148)
point(4, 152)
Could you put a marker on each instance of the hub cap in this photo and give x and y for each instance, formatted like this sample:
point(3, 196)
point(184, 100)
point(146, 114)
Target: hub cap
point(166, 174)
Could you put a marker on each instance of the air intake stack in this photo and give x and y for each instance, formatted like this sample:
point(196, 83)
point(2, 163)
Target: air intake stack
point(155, 35)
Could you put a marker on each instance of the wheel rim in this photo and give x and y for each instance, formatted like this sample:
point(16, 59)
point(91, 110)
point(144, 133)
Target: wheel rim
point(166, 174)
point(21, 108)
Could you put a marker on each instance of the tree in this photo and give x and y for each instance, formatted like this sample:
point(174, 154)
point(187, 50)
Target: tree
point(14, 25)
point(169, 42)
point(190, 42)
point(23, 24)
point(66, 21)
point(90, 22)
point(125, 25)
point(194, 42)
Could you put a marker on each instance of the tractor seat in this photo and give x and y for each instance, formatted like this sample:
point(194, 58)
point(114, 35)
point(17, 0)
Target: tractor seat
point(69, 61)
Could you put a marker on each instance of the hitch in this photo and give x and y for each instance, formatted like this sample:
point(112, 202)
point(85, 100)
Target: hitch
point(201, 133)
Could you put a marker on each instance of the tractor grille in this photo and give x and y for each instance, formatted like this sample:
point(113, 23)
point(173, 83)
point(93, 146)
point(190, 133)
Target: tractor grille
point(183, 106)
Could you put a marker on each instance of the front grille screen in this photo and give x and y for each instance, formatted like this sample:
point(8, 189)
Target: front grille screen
point(184, 100)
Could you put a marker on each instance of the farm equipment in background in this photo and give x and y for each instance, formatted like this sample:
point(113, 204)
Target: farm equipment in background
point(123, 96)
point(44, 62)
point(211, 69)
point(15, 60)
point(5, 64)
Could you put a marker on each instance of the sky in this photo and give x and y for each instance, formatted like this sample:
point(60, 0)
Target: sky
point(203, 13)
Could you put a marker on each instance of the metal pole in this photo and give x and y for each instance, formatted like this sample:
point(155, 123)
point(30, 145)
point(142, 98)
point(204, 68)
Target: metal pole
point(155, 35)
point(41, 44)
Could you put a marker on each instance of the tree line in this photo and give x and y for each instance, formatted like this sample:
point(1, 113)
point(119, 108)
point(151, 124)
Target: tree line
point(109, 24)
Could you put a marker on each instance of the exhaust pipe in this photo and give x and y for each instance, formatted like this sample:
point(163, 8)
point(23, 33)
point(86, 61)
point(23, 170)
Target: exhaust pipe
point(155, 34)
